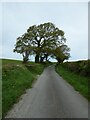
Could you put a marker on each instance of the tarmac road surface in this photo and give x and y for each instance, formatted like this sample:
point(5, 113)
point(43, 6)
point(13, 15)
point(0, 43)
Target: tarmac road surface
point(50, 97)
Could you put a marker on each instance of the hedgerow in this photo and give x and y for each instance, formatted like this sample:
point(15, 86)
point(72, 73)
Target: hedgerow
point(80, 67)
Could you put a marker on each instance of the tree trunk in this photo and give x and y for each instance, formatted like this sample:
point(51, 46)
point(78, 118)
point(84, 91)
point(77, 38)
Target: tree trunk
point(25, 56)
point(37, 58)
point(41, 59)
point(46, 56)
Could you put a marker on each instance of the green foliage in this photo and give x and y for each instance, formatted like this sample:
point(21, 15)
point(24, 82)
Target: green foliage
point(0, 98)
point(61, 53)
point(80, 67)
point(40, 40)
point(16, 78)
point(80, 83)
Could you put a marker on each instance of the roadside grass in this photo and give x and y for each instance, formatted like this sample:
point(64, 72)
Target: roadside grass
point(0, 99)
point(79, 83)
point(16, 78)
point(0, 89)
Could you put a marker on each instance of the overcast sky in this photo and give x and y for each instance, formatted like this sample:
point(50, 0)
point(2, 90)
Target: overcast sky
point(71, 17)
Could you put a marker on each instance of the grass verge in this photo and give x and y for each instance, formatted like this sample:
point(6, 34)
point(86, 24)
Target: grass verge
point(16, 78)
point(0, 89)
point(79, 83)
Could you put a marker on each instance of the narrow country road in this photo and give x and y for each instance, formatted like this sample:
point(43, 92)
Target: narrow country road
point(50, 97)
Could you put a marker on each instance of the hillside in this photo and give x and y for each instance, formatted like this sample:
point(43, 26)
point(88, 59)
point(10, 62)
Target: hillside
point(16, 78)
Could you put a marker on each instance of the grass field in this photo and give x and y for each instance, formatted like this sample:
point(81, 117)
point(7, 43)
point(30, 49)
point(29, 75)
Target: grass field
point(80, 83)
point(0, 89)
point(16, 78)
point(0, 98)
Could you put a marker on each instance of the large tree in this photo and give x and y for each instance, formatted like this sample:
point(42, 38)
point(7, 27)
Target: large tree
point(39, 40)
point(44, 36)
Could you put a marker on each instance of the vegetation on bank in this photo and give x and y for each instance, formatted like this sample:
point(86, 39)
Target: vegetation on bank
point(0, 89)
point(77, 80)
point(79, 67)
point(16, 78)
point(0, 98)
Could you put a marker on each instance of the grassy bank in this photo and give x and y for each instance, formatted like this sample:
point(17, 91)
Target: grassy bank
point(80, 83)
point(0, 99)
point(16, 78)
point(79, 67)
point(0, 89)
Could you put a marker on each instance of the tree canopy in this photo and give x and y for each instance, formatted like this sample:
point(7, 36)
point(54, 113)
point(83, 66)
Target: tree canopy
point(43, 41)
